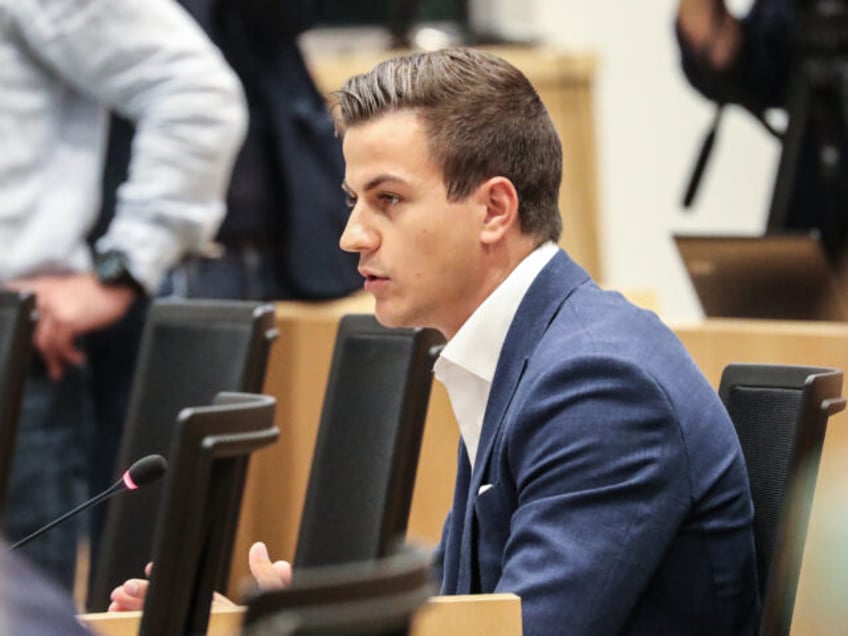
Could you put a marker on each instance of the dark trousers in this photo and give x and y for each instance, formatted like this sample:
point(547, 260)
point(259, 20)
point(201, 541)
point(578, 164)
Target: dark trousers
point(48, 471)
point(246, 271)
point(68, 437)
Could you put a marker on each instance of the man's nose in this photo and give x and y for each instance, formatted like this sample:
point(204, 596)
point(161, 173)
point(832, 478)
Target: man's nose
point(357, 236)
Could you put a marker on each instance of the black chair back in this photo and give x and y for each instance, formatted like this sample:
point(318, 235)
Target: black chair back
point(190, 351)
point(780, 414)
point(17, 323)
point(366, 452)
point(372, 598)
point(200, 511)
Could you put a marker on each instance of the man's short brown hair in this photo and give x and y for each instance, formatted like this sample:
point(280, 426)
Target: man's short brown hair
point(483, 119)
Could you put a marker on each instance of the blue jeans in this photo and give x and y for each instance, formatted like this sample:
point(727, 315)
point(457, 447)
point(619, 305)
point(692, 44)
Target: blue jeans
point(48, 470)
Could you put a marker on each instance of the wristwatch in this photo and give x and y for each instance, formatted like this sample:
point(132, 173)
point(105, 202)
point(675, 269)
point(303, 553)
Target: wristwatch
point(111, 269)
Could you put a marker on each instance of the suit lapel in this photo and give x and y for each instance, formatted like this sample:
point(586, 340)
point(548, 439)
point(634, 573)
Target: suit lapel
point(540, 304)
point(451, 549)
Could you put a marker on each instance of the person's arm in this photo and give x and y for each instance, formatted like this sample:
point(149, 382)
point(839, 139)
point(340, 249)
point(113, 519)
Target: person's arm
point(601, 487)
point(743, 61)
point(147, 60)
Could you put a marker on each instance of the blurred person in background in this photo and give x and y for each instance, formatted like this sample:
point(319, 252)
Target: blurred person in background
point(760, 61)
point(62, 64)
point(285, 210)
point(279, 239)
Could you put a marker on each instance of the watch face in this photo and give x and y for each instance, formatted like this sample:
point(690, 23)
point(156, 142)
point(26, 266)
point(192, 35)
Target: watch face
point(111, 268)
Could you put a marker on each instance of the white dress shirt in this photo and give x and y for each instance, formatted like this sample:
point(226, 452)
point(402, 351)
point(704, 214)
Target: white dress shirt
point(467, 364)
point(62, 63)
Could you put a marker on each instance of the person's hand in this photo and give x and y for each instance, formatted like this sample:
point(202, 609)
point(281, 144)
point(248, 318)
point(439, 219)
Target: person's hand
point(710, 28)
point(268, 575)
point(68, 306)
point(130, 595)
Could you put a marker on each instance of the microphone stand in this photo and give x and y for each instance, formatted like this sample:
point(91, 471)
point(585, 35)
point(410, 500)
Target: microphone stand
point(115, 488)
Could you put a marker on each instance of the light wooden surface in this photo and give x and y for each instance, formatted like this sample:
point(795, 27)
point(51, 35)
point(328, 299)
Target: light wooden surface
point(222, 622)
point(565, 84)
point(479, 615)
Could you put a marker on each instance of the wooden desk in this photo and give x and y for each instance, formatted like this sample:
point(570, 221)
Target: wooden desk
point(565, 84)
point(479, 615)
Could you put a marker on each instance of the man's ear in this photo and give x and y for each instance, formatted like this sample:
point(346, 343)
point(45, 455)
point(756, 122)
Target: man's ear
point(500, 198)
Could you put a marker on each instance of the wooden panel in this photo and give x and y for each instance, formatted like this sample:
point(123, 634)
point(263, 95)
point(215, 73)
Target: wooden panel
point(479, 615)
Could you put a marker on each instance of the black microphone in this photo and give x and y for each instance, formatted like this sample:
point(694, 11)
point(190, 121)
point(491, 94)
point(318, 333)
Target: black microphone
point(144, 471)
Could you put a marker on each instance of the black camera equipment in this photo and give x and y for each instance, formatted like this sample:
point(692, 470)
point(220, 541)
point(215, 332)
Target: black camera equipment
point(817, 106)
point(817, 109)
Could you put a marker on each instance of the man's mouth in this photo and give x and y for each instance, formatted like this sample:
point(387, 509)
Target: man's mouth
point(373, 282)
point(370, 275)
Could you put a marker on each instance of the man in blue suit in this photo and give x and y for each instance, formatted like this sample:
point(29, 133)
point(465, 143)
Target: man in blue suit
point(599, 477)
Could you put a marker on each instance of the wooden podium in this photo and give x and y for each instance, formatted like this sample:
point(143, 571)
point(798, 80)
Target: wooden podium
point(480, 615)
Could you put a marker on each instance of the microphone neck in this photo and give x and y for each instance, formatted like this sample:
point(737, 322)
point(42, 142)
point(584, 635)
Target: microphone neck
point(114, 489)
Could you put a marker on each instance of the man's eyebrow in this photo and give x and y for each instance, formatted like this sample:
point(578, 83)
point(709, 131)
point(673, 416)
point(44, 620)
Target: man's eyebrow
point(375, 182)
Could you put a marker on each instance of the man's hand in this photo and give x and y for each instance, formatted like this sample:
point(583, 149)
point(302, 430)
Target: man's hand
point(69, 306)
point(130, 596)
point(268, 575)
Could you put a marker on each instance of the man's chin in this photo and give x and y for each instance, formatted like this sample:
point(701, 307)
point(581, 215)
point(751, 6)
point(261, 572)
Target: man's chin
point(388, 318)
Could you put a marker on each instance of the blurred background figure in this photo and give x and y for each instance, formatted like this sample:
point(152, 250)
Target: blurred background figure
point(786, 54)
point(286, 207)
point(61, 63)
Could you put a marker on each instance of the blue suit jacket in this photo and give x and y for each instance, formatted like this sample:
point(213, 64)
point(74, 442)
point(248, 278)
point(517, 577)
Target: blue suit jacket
point(609, 490)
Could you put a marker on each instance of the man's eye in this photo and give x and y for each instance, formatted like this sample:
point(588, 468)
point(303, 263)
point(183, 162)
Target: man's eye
point(350, 200)
point(389, 199)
